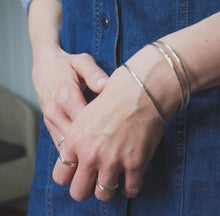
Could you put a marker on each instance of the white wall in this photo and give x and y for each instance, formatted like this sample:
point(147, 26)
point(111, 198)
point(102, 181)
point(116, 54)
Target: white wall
point(15, 51)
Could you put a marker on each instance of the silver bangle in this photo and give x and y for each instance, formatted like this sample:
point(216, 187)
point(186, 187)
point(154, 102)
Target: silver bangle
point(183, 69)
point(167, 57)
point(146, 91)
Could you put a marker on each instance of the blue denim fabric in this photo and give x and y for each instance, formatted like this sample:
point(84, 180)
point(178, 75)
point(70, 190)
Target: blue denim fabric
point(183, 179)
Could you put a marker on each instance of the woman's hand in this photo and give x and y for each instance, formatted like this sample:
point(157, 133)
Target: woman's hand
point(59, 79)
point(118, 132)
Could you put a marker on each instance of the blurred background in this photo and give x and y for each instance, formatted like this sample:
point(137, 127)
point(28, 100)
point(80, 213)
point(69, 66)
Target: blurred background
point(19, 110)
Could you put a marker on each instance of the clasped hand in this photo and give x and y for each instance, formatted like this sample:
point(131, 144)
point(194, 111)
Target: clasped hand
point(118, 132)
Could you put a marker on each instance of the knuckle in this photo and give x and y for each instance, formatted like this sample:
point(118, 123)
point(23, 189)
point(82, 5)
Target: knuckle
point(86, 56)
point(112, 164)
point(134, 164)
point(97, 73)
point(92, 158)
point(62, 96)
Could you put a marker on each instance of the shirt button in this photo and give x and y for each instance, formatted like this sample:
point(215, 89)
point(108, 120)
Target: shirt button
point(104, 22)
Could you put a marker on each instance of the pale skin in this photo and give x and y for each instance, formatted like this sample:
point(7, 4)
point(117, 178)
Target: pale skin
point(120, 130)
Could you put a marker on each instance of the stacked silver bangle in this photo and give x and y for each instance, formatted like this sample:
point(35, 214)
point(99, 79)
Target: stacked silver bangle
point(146, 91)
point(185, 97)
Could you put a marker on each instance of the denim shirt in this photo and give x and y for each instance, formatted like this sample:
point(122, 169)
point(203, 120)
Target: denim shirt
point(183, 178)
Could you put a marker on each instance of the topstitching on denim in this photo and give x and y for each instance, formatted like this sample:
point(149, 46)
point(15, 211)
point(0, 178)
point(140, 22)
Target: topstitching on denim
point(97, 11)
point(181, 123)
point(49, 187)
point(116, 34)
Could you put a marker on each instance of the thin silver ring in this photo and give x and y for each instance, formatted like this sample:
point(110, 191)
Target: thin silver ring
point(60, 141)
point(106, 189)
point(64, 161)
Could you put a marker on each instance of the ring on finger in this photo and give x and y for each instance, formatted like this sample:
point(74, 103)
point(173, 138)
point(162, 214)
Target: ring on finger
point(64, 161)
point(60, 141)
point(105, 188)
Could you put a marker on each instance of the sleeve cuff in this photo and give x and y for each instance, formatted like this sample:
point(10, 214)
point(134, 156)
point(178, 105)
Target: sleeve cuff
point(26, 5)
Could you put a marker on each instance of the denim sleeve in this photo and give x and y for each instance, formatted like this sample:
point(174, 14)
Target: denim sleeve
point(26, 4)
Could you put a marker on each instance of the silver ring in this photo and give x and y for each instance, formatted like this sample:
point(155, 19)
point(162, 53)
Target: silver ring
point(70, 164)
point(106, 189)
point(60, 141)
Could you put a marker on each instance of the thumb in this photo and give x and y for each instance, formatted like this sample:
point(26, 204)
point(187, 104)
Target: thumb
point(85, 67)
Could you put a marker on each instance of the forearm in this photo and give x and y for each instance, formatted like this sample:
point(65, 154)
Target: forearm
point(45, 17)
point(199, 49)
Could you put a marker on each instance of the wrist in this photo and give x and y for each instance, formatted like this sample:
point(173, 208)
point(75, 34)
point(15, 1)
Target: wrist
point(44, 27)
point(158, 78)
point(45, 50)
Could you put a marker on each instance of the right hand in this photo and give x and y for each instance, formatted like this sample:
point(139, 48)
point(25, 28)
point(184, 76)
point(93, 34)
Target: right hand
point(59, 79)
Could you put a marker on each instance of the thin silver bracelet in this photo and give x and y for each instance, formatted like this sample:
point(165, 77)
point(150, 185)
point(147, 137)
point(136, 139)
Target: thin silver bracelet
point(175, 71)
point(146, 91)
point(184, 71)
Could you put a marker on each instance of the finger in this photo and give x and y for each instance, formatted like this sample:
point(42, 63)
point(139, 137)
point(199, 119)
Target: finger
point(63, 173)
point(74, 104)
point(70, 101)
point(56, 135)
point(107, 178)
point(133, 183)
point(83, 183)
point(54, 117)
point(86, 67)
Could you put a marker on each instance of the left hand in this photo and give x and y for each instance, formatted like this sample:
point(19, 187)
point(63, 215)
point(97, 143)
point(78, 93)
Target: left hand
point(117, 132)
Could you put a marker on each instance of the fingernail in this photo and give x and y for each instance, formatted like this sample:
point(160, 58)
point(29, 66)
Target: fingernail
point(101, 82)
